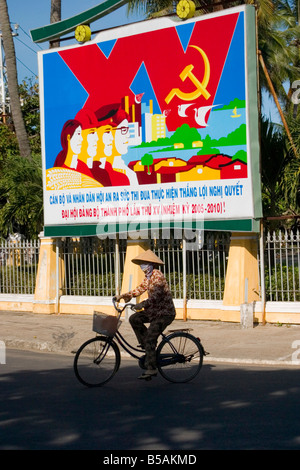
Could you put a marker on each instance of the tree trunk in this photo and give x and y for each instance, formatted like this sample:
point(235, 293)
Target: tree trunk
point(217, 5)
point(12, 81)
point(295, 107)
point(55, 15)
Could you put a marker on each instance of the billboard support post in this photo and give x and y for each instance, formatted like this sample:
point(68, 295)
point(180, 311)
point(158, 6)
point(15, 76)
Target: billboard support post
point(242, 264)
point(49, 277)
point(133, 275)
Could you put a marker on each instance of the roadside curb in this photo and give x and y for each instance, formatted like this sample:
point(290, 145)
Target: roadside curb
point(45, 346)
point(260, 362)
point(42, 346)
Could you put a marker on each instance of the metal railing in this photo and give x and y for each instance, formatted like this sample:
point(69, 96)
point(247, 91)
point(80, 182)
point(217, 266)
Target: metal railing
point(205, 266)
point(282, 265)
point(18, 266)
point(94, 267)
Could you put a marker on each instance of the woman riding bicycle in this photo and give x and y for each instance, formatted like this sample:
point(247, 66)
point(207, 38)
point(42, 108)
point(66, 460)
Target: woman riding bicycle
point(158, 309)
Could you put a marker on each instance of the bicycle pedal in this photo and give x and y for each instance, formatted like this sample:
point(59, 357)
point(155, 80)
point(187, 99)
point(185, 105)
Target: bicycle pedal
point(146, 376)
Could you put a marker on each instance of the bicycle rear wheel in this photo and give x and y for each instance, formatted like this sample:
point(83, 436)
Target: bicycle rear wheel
point(179, 357)
point(97, 361)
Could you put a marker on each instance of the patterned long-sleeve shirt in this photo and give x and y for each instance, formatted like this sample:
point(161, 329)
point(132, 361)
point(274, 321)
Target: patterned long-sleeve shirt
point(159, 300)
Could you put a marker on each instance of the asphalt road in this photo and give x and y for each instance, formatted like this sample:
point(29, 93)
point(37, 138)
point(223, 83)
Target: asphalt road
point(43, 406)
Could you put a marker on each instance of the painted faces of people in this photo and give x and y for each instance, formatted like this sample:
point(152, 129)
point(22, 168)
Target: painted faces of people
point(76, 141)
point(121, 135)
point(92, 141)
point(107, 139)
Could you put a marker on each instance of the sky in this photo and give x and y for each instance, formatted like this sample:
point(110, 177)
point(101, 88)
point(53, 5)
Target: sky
point(32, 14)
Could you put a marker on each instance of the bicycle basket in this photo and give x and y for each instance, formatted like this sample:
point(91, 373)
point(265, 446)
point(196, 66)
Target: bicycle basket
point(105, 324)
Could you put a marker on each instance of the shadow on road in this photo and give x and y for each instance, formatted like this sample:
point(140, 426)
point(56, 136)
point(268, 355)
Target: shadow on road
point(43, 406)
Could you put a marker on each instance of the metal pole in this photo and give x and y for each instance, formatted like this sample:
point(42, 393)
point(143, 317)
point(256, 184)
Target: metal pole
point(262, 272)
point(57, 277)
point(184, 279)
point(117, 265)
point(129, 289)
point(246, 291)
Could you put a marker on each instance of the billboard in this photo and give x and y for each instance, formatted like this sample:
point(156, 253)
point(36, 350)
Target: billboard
point(153, 123)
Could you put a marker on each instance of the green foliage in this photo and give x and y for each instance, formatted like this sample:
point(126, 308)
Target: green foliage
point(11, 276)
point(281, 283)
point(236, 137)
point(199, 287)
point(8, 143)
point(280, 172)
point(292, 171)
point(92, 284)
point(204, 286)
point(21, 196)
point(147, 160)
point(241, 155)
point(236, 103)
point(185, 135)
point(208, 148)
point(29, 96)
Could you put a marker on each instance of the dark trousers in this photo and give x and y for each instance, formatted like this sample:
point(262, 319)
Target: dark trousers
point(147, 337)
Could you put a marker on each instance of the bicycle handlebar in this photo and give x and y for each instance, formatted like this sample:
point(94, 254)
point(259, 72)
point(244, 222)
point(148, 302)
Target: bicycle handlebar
point(120, 310)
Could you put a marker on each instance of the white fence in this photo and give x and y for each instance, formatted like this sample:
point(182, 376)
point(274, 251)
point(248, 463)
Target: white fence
point(282, 265)
point(18, 266)
point(94, 267)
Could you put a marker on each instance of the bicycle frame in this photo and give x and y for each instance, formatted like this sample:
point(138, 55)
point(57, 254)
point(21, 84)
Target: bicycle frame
point(167, 360)
point(171, 350)
point(121, 340)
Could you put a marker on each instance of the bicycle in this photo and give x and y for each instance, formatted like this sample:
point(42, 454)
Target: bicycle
point(179, 353)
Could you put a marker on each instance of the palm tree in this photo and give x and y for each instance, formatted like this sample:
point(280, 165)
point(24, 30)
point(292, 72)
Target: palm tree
point(165, 7)
point(55, 15)
point(278, 38)
point(12, 81)
point(274, 159)
point(291, 178)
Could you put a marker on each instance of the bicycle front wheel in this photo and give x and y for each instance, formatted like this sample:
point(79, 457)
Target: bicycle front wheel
point(179, 357)
point(97, 361)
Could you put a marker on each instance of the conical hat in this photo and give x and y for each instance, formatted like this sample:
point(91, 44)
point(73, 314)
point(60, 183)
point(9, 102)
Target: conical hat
point(147, 257)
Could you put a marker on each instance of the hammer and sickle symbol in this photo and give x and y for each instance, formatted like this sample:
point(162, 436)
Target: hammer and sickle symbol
point(200, 86)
